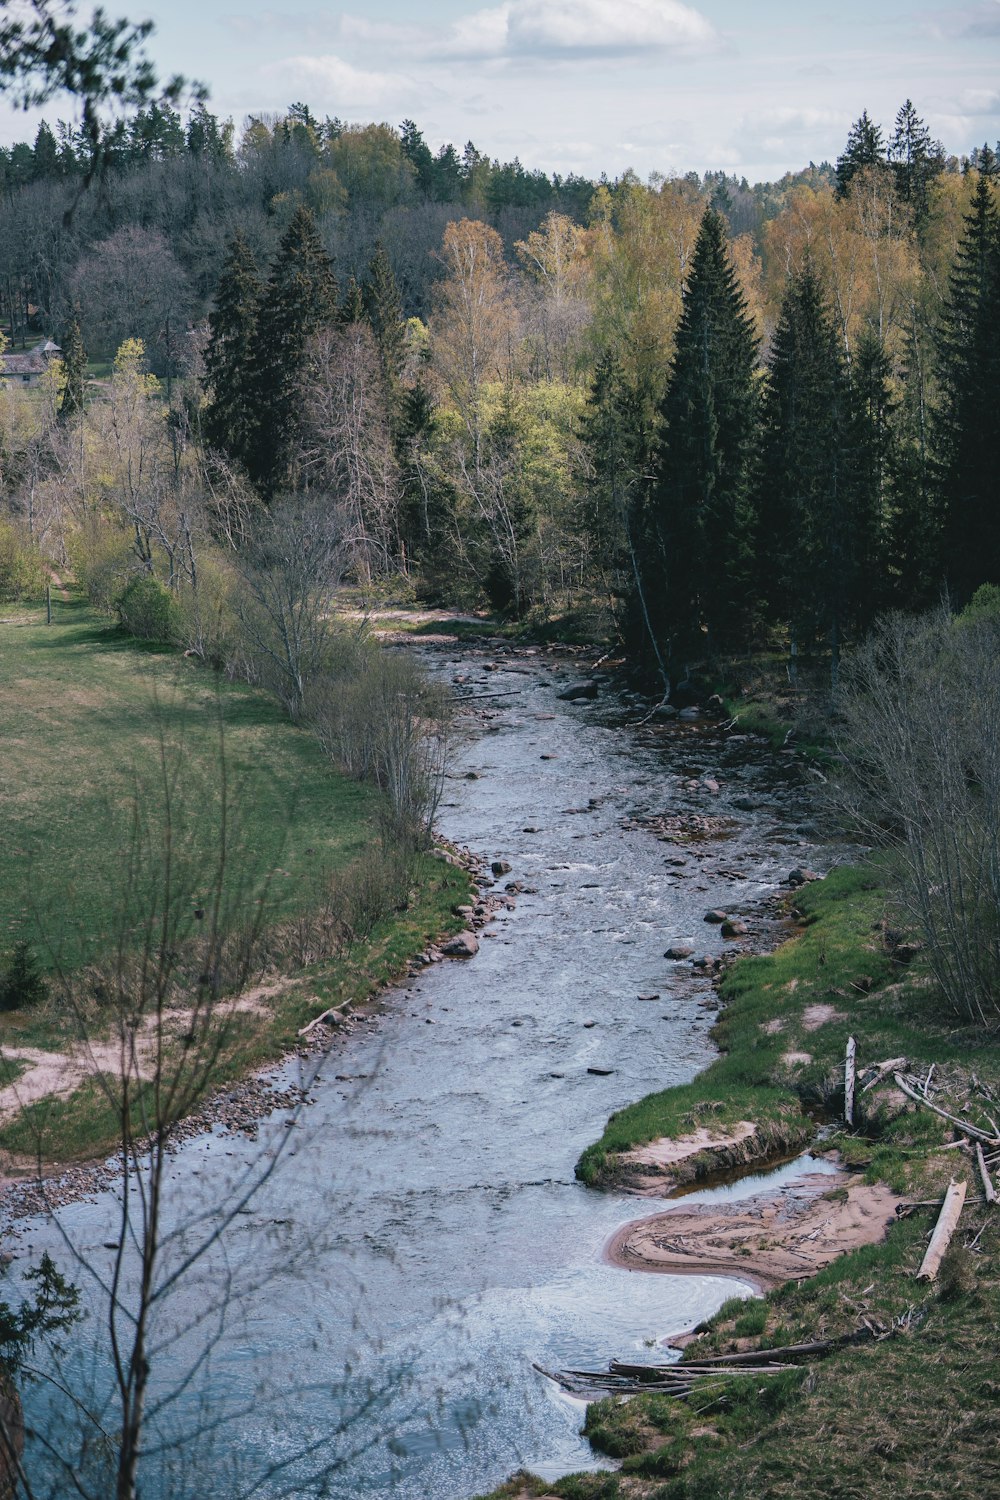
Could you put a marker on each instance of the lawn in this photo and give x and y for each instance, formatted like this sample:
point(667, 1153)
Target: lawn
point(91, 724)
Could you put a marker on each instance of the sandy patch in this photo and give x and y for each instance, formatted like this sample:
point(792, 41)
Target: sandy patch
point(667, 1153)
point(815, 1016)
point(796, 1059)
point(773, 1026)
point(766, 1240)
point(54, 1074)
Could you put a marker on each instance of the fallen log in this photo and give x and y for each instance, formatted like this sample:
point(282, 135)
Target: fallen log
point(951, 1212)
point(882, 1070)
point(988, 1188)
point(973, 1130)
point(329, 1016)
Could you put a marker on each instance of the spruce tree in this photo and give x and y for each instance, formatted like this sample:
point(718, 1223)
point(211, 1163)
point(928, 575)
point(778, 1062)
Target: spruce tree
point(229, 419)
point(352, 309)
point(915, 160)
point(74, 363)
point(865, 148)
point(967, 449)
point(703, 494)
point(805, 543)
point(385, 311)
point(871, 448)
point(300, 298)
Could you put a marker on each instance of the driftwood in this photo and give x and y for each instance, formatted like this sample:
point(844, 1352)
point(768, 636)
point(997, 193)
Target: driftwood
point(951, 1212)
point(988, 1188)
point(919, 1098)
point(329, 1016)
point(882, 1070)
point(852, 1048)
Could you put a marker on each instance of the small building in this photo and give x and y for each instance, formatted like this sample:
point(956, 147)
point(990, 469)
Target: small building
point(29, 367)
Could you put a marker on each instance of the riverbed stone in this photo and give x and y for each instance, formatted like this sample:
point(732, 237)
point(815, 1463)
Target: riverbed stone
point(465, 945)
point(580, 690)
point(500, 867)
point(734, 927)
point(679, 950)
point(716, 915)
point(802, 875)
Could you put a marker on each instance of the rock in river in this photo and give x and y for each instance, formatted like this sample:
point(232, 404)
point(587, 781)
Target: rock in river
point(679, 950)
point(579, 690)
point(465, 945)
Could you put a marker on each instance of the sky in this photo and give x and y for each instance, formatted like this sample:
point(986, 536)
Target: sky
point(755, 87)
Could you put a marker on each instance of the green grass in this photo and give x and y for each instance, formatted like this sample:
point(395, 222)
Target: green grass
point(91, 722)
point(85, 715)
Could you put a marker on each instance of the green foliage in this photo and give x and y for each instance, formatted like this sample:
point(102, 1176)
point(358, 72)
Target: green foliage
point(147, 610)
point(230, 416)
point(74, 368)
point(103, 562)
point(22, 574)
point(22, 983)
point(50, 1308)
point(701, 503)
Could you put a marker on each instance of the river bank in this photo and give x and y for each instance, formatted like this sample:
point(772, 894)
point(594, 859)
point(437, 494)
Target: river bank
point(914, 1408)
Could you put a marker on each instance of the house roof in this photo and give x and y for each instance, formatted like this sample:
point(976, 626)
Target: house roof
point(31, 362)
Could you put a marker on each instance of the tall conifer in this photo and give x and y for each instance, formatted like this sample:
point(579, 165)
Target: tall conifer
point(702, 498)
point(230, 419)
point(865, 148)
point(74, 363)
point(300, 298)
point(806, 544)
point(968, 453)
point(385, 310)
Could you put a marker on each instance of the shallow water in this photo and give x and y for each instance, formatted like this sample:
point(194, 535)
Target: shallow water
point(425, 1225)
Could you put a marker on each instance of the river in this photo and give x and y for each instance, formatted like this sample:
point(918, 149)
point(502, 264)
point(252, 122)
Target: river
point(424, 1244)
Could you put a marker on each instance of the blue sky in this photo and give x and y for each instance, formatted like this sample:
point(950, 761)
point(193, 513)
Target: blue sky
point(754, 86)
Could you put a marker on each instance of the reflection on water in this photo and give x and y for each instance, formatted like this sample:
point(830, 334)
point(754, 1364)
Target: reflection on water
point(426, 1229)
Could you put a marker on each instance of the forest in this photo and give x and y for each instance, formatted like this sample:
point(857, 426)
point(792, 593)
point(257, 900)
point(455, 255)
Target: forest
point(706, 416)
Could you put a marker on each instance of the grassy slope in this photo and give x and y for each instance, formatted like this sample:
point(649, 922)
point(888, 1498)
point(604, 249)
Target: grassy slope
point(84, 712)
point(916, 1415)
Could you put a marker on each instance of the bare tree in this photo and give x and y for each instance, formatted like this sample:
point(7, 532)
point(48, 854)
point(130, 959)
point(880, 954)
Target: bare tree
point(921, 705)
point(347, 446)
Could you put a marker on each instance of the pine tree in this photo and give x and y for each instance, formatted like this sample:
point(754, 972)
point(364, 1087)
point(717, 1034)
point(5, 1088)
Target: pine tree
point(230, 418)
point(915, 160)
point(385, 311)
point(966, 447)
point(300, 298)
point(74, 363)
point(871, 449)
point(352, 309)
point(865, 148)
point(702, 498)
point(805, 544)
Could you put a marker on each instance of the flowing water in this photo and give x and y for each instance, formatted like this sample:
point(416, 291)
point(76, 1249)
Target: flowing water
point(423, 1243)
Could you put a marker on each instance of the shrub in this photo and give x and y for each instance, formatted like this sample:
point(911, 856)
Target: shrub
point(103, 562)
point(22, 574)
point(148, 610)
point(21, 981)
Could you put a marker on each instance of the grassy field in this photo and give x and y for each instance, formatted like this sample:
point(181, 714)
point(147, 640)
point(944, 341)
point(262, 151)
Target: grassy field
point(93, 728)
point(88, 720)
point(912, 1414)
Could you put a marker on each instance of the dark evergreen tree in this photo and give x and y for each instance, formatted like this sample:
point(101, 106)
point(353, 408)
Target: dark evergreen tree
point(300, 298)
point(871, 449)
point(46, 154)
point(914, 563)
point(806, 557)
point(915, 161)
point(966, 448)
point(865, 148)
point(352, 309)
point(230, 417)
point(384, 307)
point(418, 154)
point(702, 500)
point(74, 362)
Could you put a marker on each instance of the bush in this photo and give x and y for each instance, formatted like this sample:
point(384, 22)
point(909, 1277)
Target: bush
point(22, 573)
point(21, 981)
point(103, 562)
point(206, 618)
point(921, 706)
point(148, 610)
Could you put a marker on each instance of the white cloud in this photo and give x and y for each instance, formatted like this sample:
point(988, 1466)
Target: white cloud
point(580, 28)
point(351, 90)
point(980, 102)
